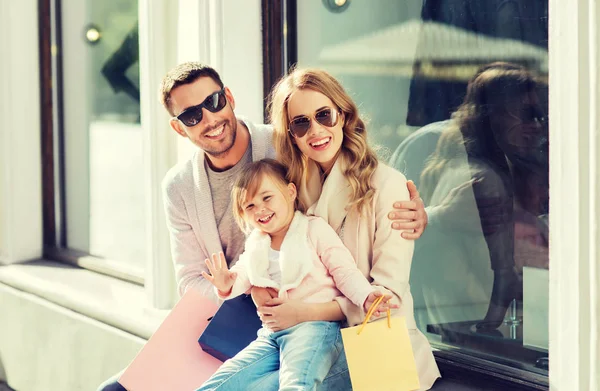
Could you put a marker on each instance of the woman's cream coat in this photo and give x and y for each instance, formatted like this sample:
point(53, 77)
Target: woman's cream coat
point(381, 254)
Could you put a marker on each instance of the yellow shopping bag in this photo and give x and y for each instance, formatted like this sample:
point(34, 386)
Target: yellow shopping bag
point(379, 354)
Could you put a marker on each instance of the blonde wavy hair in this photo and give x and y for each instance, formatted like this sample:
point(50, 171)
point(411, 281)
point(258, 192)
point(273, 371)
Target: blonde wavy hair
point(359, 160)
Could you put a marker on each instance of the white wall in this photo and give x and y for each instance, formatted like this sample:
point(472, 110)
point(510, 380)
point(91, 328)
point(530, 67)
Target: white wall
point(46, 347)
point(241, 66)
point(20, 156)
point(574, 195)
point(158, 34)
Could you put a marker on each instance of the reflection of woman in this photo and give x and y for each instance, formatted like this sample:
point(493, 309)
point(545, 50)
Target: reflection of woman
point(321, 138)
point(498, 140)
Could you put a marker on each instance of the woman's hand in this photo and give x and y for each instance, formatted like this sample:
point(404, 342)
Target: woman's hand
point(280, 314)
point(261, 295)
point(382, 307)
point(220, 276)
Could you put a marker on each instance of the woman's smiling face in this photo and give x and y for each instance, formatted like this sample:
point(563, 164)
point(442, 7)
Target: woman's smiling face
point(320, 143)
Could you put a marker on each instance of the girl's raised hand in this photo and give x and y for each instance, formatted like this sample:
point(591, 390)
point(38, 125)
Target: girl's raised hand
point(220, 276)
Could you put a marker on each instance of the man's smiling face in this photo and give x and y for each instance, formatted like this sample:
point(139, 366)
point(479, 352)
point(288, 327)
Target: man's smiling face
point(216, 132)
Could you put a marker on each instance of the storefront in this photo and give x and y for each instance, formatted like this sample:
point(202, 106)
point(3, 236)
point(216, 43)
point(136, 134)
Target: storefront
point(505, 279)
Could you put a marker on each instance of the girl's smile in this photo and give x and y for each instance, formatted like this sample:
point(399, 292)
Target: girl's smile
point(271, 207)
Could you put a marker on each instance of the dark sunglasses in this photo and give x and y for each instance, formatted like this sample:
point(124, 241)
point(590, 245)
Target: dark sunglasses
point(213, 103)
point(300, 125)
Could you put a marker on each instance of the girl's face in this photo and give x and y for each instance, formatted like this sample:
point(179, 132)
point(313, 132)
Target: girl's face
point(320, 143)
point(271, 208)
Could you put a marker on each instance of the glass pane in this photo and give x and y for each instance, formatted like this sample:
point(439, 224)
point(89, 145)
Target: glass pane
point(473, 139)
point(103, 136)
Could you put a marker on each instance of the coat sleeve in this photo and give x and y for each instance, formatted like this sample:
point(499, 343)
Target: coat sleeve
point(187, 254)
point(242, 282)
point(391, 254)
point(339, 262)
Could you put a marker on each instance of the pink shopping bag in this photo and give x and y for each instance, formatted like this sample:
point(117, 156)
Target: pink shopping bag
point(172, 359)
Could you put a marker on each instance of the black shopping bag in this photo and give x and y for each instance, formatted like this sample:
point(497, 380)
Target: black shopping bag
point(232, 328)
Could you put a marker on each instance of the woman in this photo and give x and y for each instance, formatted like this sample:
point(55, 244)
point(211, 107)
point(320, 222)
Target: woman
point(322, 140)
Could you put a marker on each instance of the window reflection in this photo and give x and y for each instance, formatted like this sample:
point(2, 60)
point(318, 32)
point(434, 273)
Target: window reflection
point(104, 182)
point(488, 176)
point(456, 93)
point(115, 68)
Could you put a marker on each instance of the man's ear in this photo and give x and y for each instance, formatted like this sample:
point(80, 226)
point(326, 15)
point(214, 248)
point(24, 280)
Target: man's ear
point(230, 98)
point(177, 127)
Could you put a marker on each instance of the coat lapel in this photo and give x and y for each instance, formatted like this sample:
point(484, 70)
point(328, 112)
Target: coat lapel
point(259, 141)
point(330, 203)
point(295, 256)
point(256, 259)
point(204, 203)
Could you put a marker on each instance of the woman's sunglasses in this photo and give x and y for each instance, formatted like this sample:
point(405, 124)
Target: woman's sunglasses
point(300, 125)
point(213, 103)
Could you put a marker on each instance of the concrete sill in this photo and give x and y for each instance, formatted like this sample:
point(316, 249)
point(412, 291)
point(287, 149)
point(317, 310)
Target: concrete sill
point(109, 300)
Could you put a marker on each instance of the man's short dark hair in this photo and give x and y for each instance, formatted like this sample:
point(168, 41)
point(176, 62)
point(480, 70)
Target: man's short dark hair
point(185, 73)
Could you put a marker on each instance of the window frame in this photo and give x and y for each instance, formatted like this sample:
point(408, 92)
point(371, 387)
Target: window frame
point(156, 20)
point(279, 55)
point(53, 152)
point(574, 319)
point(279, 49)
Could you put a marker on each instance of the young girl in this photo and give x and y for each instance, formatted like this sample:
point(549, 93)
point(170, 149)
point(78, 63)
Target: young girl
point(321, 138)
point(297, 257)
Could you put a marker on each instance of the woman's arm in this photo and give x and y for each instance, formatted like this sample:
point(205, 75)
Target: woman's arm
point(280, 314)
point(330, 312)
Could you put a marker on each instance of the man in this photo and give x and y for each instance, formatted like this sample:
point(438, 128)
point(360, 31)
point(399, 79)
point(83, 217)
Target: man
point(197, 195)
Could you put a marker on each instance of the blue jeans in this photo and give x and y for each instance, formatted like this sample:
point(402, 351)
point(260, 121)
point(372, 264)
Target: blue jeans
point(338, 378)
point(301, 356)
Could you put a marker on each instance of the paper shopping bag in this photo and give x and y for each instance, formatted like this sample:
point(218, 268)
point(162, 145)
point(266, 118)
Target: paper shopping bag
point(233, 327)
point(380, 356)
point(172, 359)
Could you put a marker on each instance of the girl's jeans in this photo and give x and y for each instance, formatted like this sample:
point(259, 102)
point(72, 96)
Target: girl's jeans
point(298, 358)
point(338, 378)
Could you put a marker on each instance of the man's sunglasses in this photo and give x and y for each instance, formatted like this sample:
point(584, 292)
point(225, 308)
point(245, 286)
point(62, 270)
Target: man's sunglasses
point(300, 125)
point(213, 103)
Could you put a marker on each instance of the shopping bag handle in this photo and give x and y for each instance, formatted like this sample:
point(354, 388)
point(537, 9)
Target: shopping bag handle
point(370, 313)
